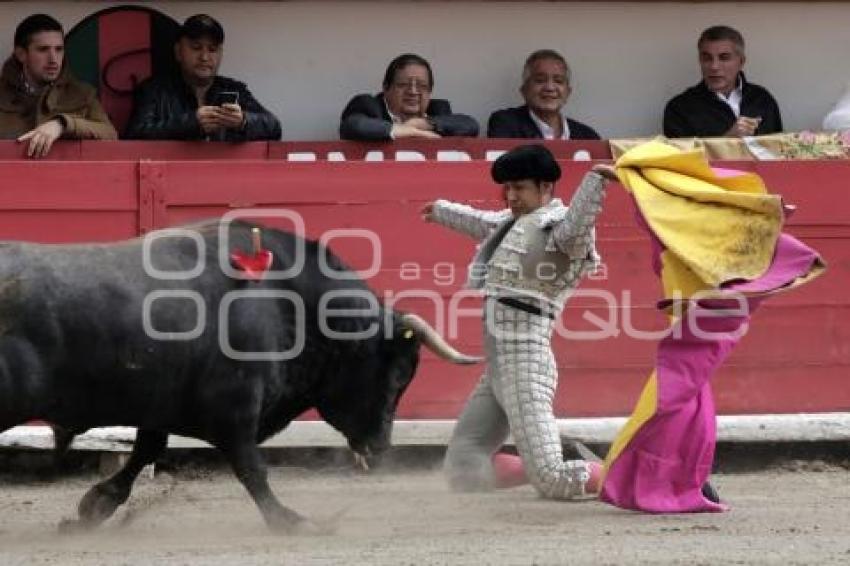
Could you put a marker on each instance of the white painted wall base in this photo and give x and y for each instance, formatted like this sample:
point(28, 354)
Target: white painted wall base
point(805, 427)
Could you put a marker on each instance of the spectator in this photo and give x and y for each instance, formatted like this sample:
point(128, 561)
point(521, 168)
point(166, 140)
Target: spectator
point(546, 86)
point(197, 103)
point(405, 108)
point(839, 117)
point(723, 103)
point(39, 99)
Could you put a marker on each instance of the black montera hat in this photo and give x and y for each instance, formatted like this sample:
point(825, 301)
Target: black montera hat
point(202, 25)
point(532, 161)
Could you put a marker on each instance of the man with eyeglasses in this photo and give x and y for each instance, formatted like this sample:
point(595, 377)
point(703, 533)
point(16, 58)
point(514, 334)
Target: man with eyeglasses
point(404, 108)
point(546, 86)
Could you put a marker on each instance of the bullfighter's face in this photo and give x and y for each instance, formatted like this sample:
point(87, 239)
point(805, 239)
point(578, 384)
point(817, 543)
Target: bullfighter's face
point(526, 195)
point(721, 63)
point(198, 59)
point(409, 94)
point(547, 87)
point(42, 58)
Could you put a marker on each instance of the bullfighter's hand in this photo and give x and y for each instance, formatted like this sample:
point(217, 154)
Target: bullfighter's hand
point(407, 131)
point(232, 117)
point(427, 212)
point(41, 138)
point(606, 171)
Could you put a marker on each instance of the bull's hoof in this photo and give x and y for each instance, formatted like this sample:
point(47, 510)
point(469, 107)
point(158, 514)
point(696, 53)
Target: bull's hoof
point(295, 524)
point(98, 504)
point(73, 526)
point(311, 528)
point(320, 527)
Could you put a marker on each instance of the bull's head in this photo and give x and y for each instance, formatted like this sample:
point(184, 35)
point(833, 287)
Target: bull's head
point(364, 406)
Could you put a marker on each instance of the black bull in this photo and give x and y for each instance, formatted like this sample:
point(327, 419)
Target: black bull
point(90, 336)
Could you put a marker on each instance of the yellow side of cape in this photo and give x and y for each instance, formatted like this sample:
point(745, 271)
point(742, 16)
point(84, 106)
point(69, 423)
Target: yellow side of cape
point(719, 228)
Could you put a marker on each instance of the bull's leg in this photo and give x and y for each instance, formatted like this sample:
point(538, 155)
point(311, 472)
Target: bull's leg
point(101, 501)
point(250, 469)
point(62, 439)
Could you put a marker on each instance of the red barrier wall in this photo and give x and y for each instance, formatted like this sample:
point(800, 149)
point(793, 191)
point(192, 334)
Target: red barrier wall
point(794, 359)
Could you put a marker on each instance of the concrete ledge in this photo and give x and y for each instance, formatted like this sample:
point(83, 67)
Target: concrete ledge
point(731, 428)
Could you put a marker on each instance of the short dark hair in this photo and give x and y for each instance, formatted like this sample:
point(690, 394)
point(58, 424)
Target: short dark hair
point(403, 61)
point(34, 24)
point(543, 54)
point(202, 25)
point(723, 33)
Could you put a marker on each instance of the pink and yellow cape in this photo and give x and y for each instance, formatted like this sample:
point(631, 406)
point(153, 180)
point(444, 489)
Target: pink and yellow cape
point(719, 249)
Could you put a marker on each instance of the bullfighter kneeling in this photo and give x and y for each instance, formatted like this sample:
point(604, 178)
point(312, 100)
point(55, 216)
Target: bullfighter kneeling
point(532, 256)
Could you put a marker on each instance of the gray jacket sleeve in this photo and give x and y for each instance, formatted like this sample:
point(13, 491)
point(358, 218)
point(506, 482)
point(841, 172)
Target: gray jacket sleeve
point(574, 234)
point(468, 220)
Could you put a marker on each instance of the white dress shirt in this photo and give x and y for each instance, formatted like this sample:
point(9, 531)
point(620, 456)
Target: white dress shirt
point(547, 130)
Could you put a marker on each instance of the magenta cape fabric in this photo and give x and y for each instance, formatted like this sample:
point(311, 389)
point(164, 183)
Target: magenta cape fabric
point(663, 467)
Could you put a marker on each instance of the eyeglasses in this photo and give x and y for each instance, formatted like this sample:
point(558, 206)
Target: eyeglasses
point(420, 86)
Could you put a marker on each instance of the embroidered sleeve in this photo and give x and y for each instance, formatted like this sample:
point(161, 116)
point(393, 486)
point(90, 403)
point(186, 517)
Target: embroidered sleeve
point(574, 234)
point(468, 220)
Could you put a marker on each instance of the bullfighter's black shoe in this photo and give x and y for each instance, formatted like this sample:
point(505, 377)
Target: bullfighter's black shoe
point(710, 493)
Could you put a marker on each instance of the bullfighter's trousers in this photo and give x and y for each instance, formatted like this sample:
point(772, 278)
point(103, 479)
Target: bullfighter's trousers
point(515, 396)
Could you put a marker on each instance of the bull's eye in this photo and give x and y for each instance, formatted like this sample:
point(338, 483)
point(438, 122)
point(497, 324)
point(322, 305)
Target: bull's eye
point(408, 334)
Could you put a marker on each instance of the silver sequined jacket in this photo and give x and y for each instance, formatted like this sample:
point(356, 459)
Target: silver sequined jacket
point(542, 254)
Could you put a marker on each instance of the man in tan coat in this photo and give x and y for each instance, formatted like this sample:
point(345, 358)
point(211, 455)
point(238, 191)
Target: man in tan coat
point(39, 99)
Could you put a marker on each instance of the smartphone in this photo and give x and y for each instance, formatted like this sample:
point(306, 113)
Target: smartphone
point(228, 97)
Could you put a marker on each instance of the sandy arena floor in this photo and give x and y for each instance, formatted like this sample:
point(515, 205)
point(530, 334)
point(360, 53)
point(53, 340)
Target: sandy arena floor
point(402, 517)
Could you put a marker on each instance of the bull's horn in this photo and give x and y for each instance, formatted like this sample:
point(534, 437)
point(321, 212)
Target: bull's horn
point(434, 342)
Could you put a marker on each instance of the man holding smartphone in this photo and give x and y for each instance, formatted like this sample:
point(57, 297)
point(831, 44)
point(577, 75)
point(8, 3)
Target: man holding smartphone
point(724, 103)
point(196, 102)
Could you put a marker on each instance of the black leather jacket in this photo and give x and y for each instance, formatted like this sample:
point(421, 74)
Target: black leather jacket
point(164, 109)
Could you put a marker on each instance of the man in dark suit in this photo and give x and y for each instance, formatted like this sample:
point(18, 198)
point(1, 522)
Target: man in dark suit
point(724, 103)
point(404, 109)
point(545, 87)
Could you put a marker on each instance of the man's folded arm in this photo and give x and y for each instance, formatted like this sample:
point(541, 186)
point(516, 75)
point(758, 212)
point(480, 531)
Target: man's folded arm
point(361, 120)
point(94, 126)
